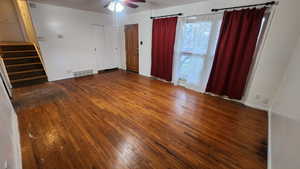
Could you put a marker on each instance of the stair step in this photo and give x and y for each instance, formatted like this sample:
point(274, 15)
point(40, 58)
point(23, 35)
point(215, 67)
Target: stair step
point(25, 71)
point(29, 78)
point(29, 83)
point(26, 75)
point(20, 54)
point(15, 43)
point(23, 68)
point(24, 64)
point(17, 51)
point(17, 48)
point(20, 58)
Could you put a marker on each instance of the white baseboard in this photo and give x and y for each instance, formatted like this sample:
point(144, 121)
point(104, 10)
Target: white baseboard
point(256, 106)
point(66, 76)
point(122, 68)
point(269, 140)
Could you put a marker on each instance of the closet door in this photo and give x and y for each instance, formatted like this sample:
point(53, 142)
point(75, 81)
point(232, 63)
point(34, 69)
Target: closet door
point(132, 47)
point(98, 46)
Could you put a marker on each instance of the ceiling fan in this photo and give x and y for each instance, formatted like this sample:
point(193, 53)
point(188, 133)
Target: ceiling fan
point(118, 5)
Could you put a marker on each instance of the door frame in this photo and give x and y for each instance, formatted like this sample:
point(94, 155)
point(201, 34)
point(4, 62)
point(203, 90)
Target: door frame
point(99, 56)
point(138, 52)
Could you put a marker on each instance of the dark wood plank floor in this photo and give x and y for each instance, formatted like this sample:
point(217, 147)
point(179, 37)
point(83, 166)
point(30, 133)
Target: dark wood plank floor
point(121, 120)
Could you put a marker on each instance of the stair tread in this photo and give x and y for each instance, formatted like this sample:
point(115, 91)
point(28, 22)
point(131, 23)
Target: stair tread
point(25, 71)
point(15, 43)
point(29, 78)
point(24, 64)
point(17, 51)
point(19, 58)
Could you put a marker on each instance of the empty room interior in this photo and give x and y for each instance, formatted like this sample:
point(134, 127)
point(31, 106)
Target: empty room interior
point(149, 84)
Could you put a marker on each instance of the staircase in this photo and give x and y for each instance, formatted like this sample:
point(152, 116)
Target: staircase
point(23, 64)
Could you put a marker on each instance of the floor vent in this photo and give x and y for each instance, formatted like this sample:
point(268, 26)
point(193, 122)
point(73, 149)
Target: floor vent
point(83, 73)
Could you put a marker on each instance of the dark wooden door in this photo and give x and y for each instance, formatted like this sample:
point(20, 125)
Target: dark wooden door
point(132, 47)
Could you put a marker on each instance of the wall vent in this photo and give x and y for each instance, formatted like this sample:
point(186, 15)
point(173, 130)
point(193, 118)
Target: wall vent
point(83, 73)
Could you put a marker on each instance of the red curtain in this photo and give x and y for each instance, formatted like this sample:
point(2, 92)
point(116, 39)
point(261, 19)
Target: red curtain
point(163, 40)
point(234, 54)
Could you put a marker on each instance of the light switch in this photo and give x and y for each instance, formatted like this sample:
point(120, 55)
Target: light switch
point(60, 36)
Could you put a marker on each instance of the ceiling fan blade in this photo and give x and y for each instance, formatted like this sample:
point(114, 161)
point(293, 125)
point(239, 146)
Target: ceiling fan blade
point(143, 1)
point(130, 4)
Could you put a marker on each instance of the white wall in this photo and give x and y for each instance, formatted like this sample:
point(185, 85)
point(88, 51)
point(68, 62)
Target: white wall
point(10, 29)
point(145, 35)
point(285, 118)
point(287, 98)
point(74, 51)
point(285, 143)
point(279, 46)
point(273, 57)
point(9, 133)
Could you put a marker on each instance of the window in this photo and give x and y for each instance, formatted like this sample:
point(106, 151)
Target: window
point(198, 39)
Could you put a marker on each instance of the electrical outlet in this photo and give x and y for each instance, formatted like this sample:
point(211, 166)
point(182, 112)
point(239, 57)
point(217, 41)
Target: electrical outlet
point(32, 5)
point(265, 101)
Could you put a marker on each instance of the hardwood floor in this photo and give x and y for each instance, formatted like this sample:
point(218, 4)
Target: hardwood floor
point(121, 120)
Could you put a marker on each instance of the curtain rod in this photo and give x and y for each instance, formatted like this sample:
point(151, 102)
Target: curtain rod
point(246, 6)
point(220, 9)
point(165, 16)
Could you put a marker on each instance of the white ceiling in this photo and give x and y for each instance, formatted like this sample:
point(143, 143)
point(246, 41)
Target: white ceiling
point(97, 5)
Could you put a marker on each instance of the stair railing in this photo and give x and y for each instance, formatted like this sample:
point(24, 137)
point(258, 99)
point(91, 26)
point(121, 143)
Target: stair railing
point(4, 75)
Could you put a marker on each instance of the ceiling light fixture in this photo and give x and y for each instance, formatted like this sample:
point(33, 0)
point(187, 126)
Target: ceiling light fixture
point(115, 6)
point(119, 5)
